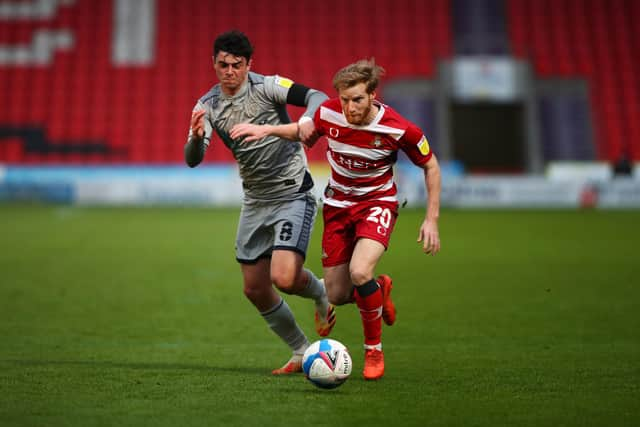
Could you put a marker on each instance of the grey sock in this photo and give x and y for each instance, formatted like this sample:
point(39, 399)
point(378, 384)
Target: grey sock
point(281, 321)
point(315, 290)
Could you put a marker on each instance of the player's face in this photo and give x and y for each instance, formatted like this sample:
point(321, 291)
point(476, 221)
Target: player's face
point(357, 104)
point(231, 71)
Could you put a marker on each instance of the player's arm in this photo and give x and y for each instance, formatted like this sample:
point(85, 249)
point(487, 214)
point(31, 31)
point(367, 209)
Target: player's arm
point(301, 96)
point(287, 91)
point(304, 130)
point(428, 234)
point(198, 139)
point(252, 132)
point(415, 145)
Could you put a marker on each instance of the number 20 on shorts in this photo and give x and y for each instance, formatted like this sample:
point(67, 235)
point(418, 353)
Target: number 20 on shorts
point(381, 216)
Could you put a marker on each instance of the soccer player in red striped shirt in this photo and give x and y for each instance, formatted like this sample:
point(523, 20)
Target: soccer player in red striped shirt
point(360, 203)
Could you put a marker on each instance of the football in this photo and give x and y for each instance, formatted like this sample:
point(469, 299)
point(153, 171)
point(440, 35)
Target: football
point(327, 363)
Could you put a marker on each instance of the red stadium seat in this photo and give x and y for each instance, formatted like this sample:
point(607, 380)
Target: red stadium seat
point(592, 39)
point(140, 113)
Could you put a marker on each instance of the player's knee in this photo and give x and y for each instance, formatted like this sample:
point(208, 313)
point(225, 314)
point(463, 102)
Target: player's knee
point(359, 275)
point(284, 281)
point(254, 294)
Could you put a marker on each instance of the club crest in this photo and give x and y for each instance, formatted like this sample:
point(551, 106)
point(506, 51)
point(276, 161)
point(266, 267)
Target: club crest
point(377, 142)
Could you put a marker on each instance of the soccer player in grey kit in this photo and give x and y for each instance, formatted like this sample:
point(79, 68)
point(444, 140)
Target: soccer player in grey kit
point(279, 208)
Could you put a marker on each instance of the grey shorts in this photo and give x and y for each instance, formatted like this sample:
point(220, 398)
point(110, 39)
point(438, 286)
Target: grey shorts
point(265, 226)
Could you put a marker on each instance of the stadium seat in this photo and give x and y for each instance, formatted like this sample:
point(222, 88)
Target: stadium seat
point(80, 96)
point(588, 39)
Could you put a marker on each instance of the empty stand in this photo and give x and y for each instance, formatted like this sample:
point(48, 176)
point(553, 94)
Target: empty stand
point(89, 110)
point(591, 39)
point(479, 27)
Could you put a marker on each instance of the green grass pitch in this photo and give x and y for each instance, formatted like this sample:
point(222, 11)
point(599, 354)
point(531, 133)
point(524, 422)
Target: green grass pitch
point(135, 316)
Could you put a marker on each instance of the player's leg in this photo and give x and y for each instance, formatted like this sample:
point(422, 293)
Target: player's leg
point(362, 270)
point(253, 251)
point(338, 239)
point(369, 299)
point(257, 285)
point(289, 275)
point(275, 311)
point(293, 224)
point(338, 283)
point(375, 222)
point(368, 293)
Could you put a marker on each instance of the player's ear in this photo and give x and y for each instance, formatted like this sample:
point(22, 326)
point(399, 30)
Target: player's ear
point(213, 61)
point(249, 64)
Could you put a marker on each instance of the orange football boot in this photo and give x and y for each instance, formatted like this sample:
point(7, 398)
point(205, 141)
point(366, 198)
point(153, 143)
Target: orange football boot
point(324, 326)
point(373, 364)
point(293, 366)
point(388, 307)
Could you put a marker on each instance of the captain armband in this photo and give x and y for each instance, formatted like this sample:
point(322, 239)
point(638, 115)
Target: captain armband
point(297, 95)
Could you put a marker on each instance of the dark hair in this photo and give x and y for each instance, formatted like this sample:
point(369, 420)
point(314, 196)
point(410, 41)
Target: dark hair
point(235, 42)
point(364, 71)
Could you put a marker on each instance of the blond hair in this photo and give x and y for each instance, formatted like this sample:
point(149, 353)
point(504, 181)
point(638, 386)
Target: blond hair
point(364, 71)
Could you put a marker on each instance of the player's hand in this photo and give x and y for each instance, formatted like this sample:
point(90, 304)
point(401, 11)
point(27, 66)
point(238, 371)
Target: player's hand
point(197, 123)
point(250, 131)
point(429, 237)
point(307, 132)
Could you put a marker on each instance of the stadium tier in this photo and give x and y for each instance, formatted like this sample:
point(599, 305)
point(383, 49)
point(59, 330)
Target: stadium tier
point(590, 39)
point(95, 82)
point(114, 81)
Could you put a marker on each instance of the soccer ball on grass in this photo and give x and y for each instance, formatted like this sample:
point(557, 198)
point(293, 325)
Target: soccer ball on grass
point(327, 363)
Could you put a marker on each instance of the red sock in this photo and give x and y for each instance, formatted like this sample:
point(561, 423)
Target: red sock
point(369, 301)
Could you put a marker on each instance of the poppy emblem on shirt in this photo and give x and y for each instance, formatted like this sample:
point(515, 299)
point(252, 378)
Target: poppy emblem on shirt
point(334, 132)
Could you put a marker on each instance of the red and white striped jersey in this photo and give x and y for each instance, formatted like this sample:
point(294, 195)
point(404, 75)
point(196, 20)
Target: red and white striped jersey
point(362, 157)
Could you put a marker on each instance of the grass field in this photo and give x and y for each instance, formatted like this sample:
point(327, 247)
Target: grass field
point(137, 317)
